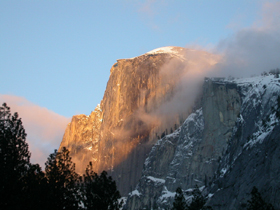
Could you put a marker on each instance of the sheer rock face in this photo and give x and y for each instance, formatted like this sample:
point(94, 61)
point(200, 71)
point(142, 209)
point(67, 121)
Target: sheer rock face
point(125, 133)
point(225, 147)
point(190, 155)
point(81, 138)
point(119, 134)
point(252, 155)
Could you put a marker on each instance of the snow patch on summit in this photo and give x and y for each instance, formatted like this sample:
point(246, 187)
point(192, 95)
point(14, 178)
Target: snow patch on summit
point(175, 51)
point(170, 49)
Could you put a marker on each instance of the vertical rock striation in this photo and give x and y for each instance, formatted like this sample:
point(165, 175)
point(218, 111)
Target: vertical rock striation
point(252, 155)
point(81, 138)
point(190, 155)
point(225, 147)
point(226, 143)
point(120, 133)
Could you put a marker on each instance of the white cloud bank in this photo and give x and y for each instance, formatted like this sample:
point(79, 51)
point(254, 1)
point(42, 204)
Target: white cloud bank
point(249, 51)
point(44, 128)
point(255, 49)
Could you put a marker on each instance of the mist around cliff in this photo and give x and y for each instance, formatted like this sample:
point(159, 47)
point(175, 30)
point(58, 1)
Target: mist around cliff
point(252, 50)
point(44, 127)
point(248, 52)
point(184, 79)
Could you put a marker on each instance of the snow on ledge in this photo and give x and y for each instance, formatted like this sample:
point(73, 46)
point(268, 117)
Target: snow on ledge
point(135, 192)
point(166, 195)
point(156, 179)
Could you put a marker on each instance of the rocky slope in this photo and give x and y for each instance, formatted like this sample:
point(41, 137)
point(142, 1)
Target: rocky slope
point(119, 134)
point(81, 138)
point(252, 155)
point(191, 152)
point(153, 135)
point(226, 147)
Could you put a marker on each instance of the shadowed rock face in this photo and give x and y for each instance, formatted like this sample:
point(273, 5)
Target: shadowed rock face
point(118, 134)
point(227, 146)
point(189, 156)
point(252, 155)
point(228, 143)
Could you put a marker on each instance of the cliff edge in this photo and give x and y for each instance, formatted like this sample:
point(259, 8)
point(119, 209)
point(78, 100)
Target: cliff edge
point(133, 114)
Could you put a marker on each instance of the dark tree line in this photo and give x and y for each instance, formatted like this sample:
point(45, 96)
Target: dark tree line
point(256, 202)
point(198, 201)
point(24, 185)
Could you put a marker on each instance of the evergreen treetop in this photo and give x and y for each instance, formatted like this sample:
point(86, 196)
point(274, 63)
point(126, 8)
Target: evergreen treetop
point(14, 158)
point(179, 201)
point(256, 202)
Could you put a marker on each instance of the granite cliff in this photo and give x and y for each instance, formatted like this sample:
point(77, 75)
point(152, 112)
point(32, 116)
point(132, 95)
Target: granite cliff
point(189, 156)
point(153, 133)
point(132, 116)
point(226, 146)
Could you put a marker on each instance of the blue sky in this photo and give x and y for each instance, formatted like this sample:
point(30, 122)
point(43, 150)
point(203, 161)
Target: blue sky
point(56, 55)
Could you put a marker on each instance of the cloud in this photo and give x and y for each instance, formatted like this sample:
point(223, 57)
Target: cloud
point(188, 76)
point(270, 16)
point(149, 10)
point(44, 128)
point(252, 50)
point(180, 85)
point(249, 51)
point(147, 7)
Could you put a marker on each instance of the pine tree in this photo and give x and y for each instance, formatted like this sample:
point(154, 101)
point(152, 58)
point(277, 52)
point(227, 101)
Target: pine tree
point(256, 202)
point(14, 159)
point(198, 200)
point(155, 206)
point(179, 202)
point(100, 192)
point(62, 181)
point(36, 189)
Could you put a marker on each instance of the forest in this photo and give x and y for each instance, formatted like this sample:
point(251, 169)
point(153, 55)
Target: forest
point(24, 185)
